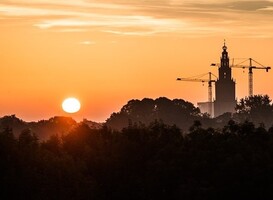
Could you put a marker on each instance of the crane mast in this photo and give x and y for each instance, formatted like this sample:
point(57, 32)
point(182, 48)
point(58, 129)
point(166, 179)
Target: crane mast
point(250, 79)
point(250, 68)
point(209, 81)
point(250, 72)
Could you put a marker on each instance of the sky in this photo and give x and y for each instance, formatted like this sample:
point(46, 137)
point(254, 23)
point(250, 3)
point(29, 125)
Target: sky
point(106, 53)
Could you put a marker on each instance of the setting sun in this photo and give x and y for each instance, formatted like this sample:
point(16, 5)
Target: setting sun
point(110, 52)
point(71, 105)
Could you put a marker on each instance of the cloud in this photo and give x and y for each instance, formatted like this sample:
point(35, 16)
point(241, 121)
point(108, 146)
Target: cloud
point(132, 33)
point(71, 30)
point(146, 24)
point(71, 3)
point(234, 5)
point(87, 42)
point(150, 17)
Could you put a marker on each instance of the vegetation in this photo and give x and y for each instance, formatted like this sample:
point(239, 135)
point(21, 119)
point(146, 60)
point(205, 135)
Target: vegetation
point(177, 111)
point(43, 128)
point(139, 162)
point(152, 160)
point(257, 109)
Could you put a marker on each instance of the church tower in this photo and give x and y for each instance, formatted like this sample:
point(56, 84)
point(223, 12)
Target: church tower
point(224, 87)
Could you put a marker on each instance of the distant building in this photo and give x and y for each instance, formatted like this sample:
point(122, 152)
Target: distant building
point(205, 107)
point(224, 87)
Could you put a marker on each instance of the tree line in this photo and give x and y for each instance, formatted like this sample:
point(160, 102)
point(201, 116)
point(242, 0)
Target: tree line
point(257, 109)
point(143, 160)
point(157, 161)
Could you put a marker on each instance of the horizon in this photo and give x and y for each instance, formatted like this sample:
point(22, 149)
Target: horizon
point(70, 115)
point(106, 53)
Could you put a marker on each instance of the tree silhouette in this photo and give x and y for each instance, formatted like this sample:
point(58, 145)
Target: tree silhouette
point(154, 161)
point(143, 161)
point(177, 111)
point(257, 108)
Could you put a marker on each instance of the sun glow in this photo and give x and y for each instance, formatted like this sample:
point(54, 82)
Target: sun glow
point(71, 105)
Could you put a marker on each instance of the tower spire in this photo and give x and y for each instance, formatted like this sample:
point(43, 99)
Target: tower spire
point(224, 47)
point(224, 87)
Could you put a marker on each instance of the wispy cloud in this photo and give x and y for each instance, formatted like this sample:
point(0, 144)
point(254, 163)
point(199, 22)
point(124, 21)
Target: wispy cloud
point(71, 30)
point(132, 33)
point(149, 17)
point(87, 42)
point(77, 3)
point(146, 24)
point(11, 10)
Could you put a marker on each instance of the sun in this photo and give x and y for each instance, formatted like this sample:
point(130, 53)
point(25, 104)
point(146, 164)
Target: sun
point(71, 105)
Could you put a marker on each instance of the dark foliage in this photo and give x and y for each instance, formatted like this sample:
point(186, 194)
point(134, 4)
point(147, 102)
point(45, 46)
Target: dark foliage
point(177, 111)
point(257, 108)
point(44, 128)
point(151, 158)
point(154, 161)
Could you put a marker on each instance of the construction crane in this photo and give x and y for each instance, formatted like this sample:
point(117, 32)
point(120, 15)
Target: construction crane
point(250, 68)
point(198, 78)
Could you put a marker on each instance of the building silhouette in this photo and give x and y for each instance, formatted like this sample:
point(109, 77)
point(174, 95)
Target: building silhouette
point(224, 87)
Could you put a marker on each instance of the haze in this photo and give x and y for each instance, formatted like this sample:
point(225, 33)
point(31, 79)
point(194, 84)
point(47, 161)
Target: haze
point(108, 52)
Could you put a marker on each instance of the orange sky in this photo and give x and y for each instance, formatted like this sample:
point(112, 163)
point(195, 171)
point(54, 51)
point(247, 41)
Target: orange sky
point(108, 52)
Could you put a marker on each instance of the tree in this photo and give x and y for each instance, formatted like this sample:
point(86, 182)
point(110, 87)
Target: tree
point(177, 111)
point(257, 108)
point(28, 140)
